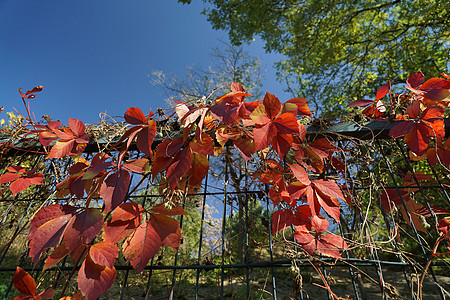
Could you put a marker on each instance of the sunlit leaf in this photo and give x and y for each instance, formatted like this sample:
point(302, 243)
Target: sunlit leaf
point(94, 280)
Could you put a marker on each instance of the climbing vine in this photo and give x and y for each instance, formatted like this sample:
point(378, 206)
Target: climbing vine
point(306, 179)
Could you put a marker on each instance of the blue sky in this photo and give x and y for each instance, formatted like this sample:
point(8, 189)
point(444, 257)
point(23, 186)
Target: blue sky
point(96, 56)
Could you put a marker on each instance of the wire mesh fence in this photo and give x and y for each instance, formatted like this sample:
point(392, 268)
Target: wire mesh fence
point(229, 249)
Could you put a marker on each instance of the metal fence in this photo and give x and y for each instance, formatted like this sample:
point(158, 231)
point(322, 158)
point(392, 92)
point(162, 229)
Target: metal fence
point(228, 250)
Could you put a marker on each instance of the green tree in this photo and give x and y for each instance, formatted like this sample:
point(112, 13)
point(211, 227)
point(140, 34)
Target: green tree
point(339, 51)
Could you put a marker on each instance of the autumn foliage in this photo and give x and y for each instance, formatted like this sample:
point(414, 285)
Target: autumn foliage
point(92, 232)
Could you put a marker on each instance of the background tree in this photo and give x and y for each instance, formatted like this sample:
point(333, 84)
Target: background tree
point(339, 51)
point(230, 64)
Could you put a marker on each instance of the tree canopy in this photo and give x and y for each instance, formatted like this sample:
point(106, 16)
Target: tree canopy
point(338, 51)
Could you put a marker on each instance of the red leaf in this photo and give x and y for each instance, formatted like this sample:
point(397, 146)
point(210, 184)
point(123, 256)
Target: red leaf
point(125, 219)
point(245, 145)
point(77, 127)
point(169, 147)
point(334, 240)
point(432, 112)
point(141, 246)
point(47, 235)
point(328, 188)
point(435, 83)
point(318, 201)
point(162, 210)
point(181, 164)
point(127, 212)
point(26, 96)
point(36, 89)
point(47, 294)
point(198, 170)
point(424, 211)
point(168, 230)
point(319, 224)
point(300, 174)
point(312, 159)
point(279, 193)
point(82, 229)
point(272, 173)
point(98, 165)
point(8, 177)
point(444, 225)
point(282, 219)
point(383, 90)
point(412, 206)
point(418, 138)
point(327, 245)
point(145, 138)
point(328, 249)
point(48, 213)
point(286, 124)
point(114, 189)
point(236, 87)
point(104, 253)
point(390, 198)
point(401, 129)
point(413, 110)
point(131, 135)
point(263, 136)
point(24, 283)
point(36, 179)
point(145, 242)
point(203, 147)
point(259, 115)
point(282, 143)
point(272, 105)
point(17, 169)
point(135, 116)
point(415, 80)
point(227, 107)
point(141, 165)
point(94, 280)
point(165, 154)
point(361, 103)
point(19, 185)
point(303, 237)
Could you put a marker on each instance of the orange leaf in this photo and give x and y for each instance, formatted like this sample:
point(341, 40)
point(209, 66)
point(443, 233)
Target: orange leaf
point(61, 149)
point(125, 219)
point(162, 210)
point(300, 174)
point(104, 253)
point(77, 127)
point(145, 242)
point(24, 283)
point(58, 253)
point(94, 280)
point(82, 229)
point(198, 170)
